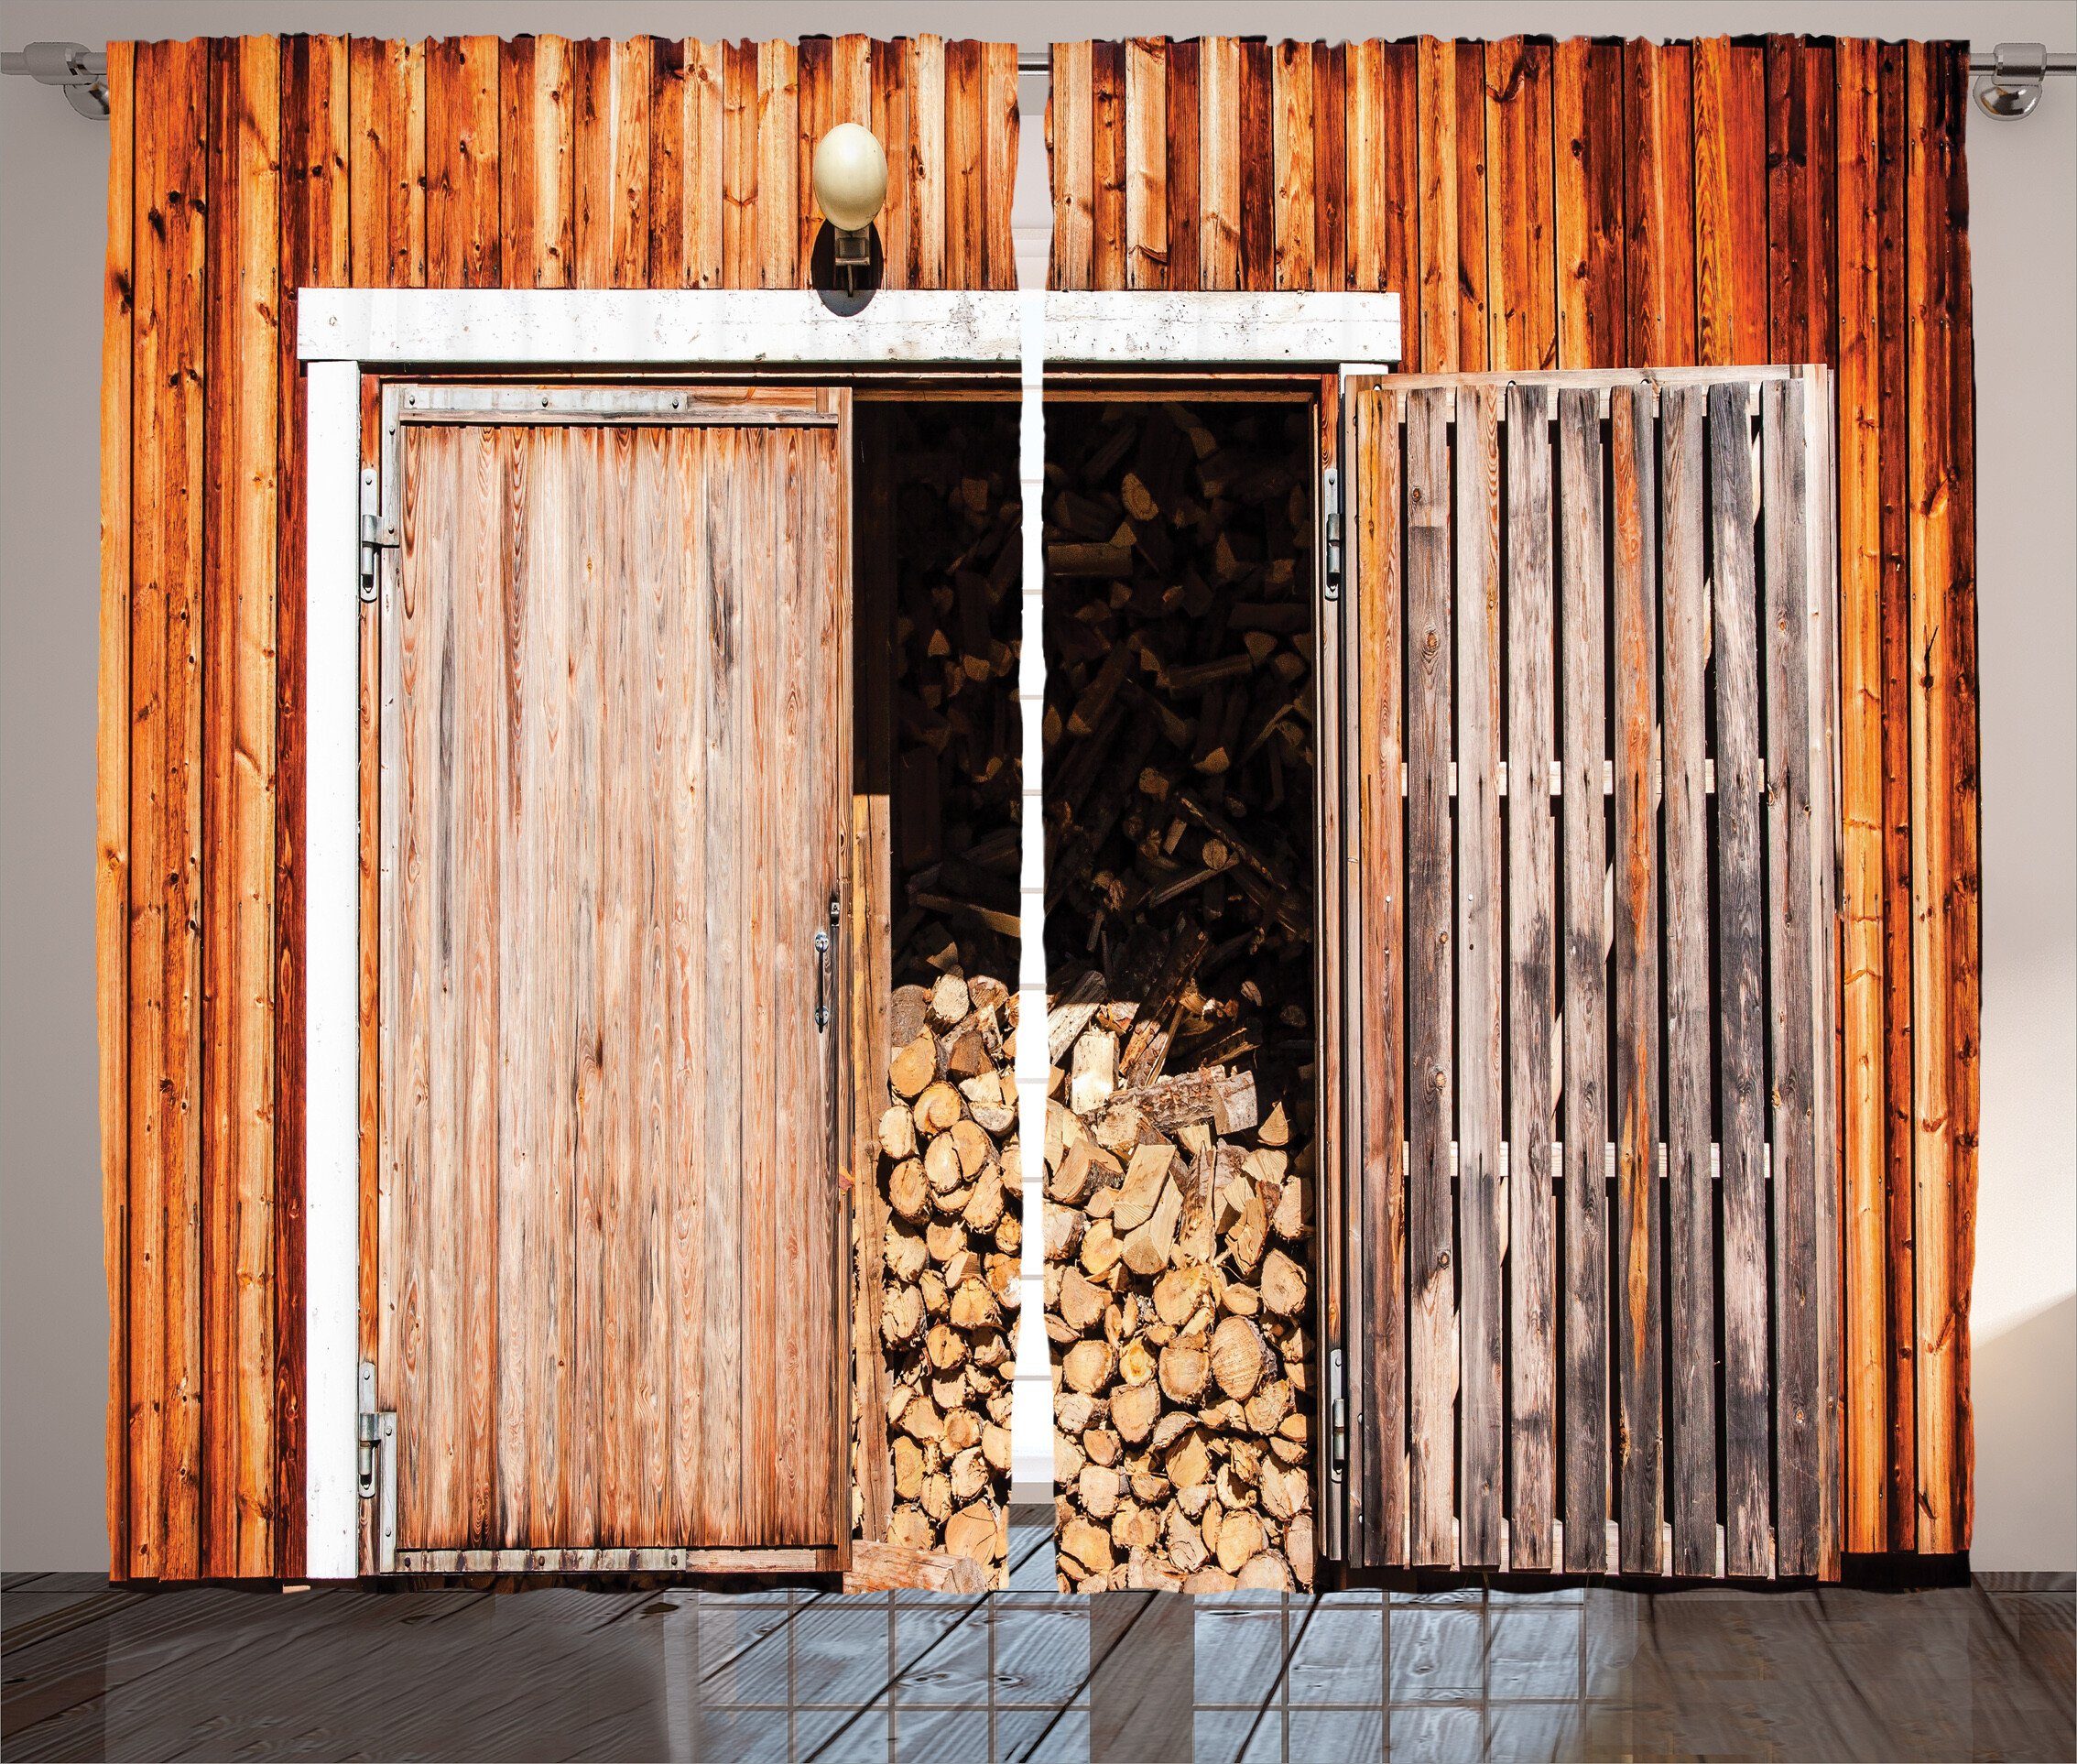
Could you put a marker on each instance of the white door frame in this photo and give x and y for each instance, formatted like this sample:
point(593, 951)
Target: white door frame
point(342, 332)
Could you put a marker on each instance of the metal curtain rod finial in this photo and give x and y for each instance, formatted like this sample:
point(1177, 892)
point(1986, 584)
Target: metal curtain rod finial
point(81, 73)
point(2008, 79)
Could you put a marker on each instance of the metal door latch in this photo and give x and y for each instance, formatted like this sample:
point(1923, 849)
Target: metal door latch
point(1331, 520)
point(822, 970)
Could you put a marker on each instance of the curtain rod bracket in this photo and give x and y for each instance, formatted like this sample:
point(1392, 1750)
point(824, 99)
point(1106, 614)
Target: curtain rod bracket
point(79, 73)
point(2008, 79)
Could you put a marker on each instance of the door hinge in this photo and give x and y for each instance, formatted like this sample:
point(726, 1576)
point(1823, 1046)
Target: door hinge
point(375, 1429)
point(1330, 511)
point(375, 538)
point(1334, 1544)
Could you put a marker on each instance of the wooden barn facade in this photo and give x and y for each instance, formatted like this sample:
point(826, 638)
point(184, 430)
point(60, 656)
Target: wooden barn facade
point(1511, 820)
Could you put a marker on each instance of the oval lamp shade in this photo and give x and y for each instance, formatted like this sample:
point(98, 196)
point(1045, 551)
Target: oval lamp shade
point(850, 177)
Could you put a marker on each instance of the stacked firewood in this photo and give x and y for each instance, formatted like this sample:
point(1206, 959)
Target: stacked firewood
point(1180, 1165)
point(952, 1235)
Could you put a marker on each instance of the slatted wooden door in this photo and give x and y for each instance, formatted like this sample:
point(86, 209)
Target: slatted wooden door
point(1585, 1056)
point(615, 774)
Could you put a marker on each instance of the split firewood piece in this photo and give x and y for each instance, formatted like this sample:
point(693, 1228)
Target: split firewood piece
point(1147, 1045)
point(1088, 1545)
point(1089, 1366)
point(1134, 1409)
point(1226, 1099)
point(1239, 1353)
point(975, 1533)
point(1282, 1285)
point(913, 1066)
point(1146, 1176)
point(1069, 1011)
point(949, 1002)
point(1081, 1302)
point(1094, 1074)
point(937, 1108)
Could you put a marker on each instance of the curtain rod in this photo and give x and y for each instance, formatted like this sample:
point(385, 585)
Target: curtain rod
point(2009, 78)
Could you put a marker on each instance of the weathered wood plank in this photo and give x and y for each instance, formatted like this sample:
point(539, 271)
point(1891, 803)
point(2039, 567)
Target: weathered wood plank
point(537, 158)
point(1582, 701)
point(1900, 1329)
point(1375, 465)
point(1330, 167)
point(1291, 123)
point(1740, 957)
point(240, 426)
point(166, 540)
point(1436, 111)
point(926, 84)
point(1475, 344)
point(1430, 888)
point(113, 785)
point(1659, 254)
point(1482, 1302)
point(1000, 134)
point(464, 245)
point(777, 230)
point(1219, 161)
point(890, 76)
point(815, 105)
point(739, 267)
point(1363, 142)
point(611, 90)
point(1181, 135)
point(318, 128)
point(1256, 181)
point(686, 198)
point(1586, 87)
point(1070, 137)
point(1532, 1285)
point(1107, 161)
point(1400, 266)
point(1520, 228)
point(1861, 803)
point(1965, 798)
point(1730, 202)
point(1146, 162)
point(388, 182)
point(1690, 1204)
point(1639, 1249)
point(1935, 961)
point(1797, 1462)
point(964, 149)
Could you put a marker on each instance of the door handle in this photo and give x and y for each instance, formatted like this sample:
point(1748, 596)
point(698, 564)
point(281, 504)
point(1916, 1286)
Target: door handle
point(822, 980)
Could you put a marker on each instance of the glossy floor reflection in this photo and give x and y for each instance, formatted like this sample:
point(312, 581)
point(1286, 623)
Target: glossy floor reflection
point(1028, 1674)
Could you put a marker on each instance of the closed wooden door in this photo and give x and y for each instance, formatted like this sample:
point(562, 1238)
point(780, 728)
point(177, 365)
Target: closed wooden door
point(1584, 1049)
point(614, 777)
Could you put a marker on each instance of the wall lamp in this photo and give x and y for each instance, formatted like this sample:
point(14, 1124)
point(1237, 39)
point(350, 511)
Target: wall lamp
point(851, 186)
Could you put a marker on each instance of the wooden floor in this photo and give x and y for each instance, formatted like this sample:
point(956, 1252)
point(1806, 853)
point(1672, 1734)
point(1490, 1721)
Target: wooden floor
point(94, 1672)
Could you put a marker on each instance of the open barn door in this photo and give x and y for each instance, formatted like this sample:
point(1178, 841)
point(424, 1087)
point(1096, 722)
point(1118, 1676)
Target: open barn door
point(615, 796)
point(1585, 1049)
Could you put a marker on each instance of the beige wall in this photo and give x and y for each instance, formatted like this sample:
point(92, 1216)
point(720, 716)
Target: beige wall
point(53, 1313)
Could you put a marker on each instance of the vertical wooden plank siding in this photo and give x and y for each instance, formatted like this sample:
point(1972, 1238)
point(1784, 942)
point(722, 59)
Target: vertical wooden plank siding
point(1481, 1303)
point(1532, 1286)
point(316, 137)
point(963, 164)
point(1108, 148)
point(1219, 161)
point(1659, 204)
point(464, 238)
point(237, 683)
point(1181, 187)
point(1900, 1326)
point(1932, 303)
point(1146, 162)
point(1071, 140)
point(1634, 856)
point(1741, 963)
point(1431, 892)
point(1292, 125)
point(111, 891)
point(1257, 168)
point(167, 501)
point(1377, 426)
point(535, 171)
point(1585, 1125)
point(1690, 1232)
point(1863, 991)
point(1729, 89)
point(1519, 223)
point(1586, 89)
